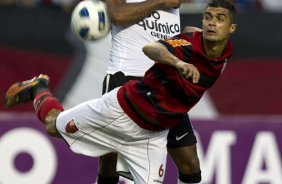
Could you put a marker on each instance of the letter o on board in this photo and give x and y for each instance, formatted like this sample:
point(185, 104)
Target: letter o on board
point(34, 143)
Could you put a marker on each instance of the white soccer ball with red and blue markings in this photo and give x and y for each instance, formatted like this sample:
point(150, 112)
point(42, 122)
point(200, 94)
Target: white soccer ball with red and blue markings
point(90, 20)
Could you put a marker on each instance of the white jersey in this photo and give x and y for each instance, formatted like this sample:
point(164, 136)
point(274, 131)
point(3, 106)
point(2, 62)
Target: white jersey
point(126, 53)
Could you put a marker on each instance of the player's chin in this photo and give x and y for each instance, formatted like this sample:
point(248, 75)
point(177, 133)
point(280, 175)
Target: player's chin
point(211, 38)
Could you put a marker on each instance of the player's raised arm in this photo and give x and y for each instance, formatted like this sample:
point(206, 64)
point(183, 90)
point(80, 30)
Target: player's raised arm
point(159, 53)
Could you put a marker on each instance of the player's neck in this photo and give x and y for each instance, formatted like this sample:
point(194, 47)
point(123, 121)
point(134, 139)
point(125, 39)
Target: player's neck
point(214, 50)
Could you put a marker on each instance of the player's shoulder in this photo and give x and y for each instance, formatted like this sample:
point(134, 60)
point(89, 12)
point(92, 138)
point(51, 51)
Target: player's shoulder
point(186, 39)
point(191, 30)
point(187, 36)
point(193, 37)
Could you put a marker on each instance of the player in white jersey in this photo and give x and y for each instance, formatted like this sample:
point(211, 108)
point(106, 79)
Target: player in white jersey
point(126, 52)
point(136, 23)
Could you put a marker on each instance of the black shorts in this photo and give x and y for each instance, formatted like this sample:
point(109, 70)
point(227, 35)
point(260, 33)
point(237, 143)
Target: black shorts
point(180, 135)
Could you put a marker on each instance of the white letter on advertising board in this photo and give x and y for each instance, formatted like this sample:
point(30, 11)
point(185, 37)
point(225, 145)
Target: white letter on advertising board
point(264, 164)
point(217, 158)
point(35, 144)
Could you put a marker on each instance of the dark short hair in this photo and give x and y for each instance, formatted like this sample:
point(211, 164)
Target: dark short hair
point(224, 4)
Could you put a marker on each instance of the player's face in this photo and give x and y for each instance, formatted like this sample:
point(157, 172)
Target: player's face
point(217, 24)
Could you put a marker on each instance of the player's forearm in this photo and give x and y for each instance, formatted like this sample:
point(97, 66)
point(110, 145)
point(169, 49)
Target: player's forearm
point(160, 54)
point(122, 13)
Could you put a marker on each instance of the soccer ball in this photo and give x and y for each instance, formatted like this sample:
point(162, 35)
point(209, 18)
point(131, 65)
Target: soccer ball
point(90, 20)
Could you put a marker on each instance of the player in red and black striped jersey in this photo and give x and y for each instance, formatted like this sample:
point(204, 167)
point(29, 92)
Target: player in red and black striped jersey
point(133, 120)
point(164, 96)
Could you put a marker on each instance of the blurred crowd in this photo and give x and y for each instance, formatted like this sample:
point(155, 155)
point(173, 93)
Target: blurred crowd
point(66, 5)
point(247, 5)
point(242, 5)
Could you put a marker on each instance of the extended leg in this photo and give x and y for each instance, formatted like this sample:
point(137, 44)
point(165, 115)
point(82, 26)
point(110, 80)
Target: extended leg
point(46, 106)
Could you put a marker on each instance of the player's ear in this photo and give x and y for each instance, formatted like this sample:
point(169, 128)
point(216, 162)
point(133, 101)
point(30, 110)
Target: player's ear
point(232, 28)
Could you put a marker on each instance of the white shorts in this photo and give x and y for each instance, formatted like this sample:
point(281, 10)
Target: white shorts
point(100, 126)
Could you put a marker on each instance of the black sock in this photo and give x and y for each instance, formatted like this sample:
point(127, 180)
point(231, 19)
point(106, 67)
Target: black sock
point(37, 90)
point(107, 180)
point(190, 178)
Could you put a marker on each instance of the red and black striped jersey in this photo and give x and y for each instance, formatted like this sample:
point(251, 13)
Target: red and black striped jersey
point(164, 96)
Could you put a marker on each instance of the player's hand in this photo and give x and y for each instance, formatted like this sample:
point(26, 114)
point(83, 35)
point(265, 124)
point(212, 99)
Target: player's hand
point(171, 3)
point(188, 71)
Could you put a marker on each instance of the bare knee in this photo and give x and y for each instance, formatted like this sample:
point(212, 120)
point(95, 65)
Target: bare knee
point(189, 165)
point(50, 123)
point(186, 159)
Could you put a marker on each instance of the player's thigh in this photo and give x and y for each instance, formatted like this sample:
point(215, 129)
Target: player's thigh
point(182, 134)
point(92, 114)
point(146, 159)
point(86, 127)
point(182, 146)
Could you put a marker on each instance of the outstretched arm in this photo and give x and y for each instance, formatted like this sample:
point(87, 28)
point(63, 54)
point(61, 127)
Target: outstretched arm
point(123, 13)
point(159, 53)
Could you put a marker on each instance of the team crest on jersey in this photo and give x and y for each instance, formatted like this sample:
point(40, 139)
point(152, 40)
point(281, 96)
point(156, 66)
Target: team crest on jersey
point(177, 43)
point(71, 127)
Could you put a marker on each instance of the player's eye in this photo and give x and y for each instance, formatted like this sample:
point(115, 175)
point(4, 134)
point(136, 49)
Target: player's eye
point(221, 18)
point(207, 17)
